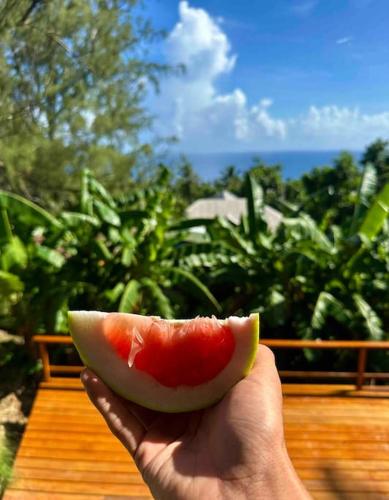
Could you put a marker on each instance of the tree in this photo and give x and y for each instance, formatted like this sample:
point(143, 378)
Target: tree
point(189, 186)
point(73, 76)
point(270, 179)
point(330, 190)
point(229, 180)
point(378, 155)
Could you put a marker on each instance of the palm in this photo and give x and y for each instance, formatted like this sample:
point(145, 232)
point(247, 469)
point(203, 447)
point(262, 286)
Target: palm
point(196, 455)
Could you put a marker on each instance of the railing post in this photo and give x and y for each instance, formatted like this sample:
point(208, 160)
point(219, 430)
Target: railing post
point(362, 354)
point(44, 355)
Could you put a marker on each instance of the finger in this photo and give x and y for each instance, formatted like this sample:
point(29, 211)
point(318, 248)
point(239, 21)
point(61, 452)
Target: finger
point(264, 369)
point(263, 382)
point(122, 423)
point(144, 415)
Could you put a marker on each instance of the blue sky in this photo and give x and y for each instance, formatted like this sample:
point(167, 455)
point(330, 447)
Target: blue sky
point(279, 75)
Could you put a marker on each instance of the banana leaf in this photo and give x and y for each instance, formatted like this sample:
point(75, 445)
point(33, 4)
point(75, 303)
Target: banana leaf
point(328, 305)
point(366, 190)
point(29, 212)
point(372, 322)
point(197, 285)
point(376, 215)
point(130, 297)
point(255, 208)
point(157, 297)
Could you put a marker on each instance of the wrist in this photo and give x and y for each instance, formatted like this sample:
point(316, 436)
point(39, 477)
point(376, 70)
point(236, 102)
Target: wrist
point(277, 480)
point(281, 481)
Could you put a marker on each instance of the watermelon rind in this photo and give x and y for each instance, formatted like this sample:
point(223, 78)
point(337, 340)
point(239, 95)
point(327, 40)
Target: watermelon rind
point(140, 387)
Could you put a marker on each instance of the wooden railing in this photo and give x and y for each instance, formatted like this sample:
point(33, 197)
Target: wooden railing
point(360, 375)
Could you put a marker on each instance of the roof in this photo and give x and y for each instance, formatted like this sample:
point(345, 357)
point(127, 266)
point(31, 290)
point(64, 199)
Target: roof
point(231, 207)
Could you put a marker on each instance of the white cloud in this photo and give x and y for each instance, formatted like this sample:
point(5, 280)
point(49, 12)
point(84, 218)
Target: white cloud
point(199, 43)
point(304, 8)
point(204, 119)
point(190, 106)
point(334, 126)
point(344, 40)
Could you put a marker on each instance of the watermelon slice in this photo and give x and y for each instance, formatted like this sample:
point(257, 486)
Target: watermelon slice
point(166, 365)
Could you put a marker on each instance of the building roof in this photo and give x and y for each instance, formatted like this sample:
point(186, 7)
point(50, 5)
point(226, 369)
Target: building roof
point(229, 206)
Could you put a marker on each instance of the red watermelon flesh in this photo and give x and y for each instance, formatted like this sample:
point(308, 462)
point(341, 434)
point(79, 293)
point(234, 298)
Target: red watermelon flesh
point(166, 365)
point(188, 353)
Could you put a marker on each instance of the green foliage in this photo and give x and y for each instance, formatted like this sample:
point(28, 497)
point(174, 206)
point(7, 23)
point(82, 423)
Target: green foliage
point(230, 179)
point(73, 78)
point(270, 178)
point(327, 193)
point(189, 187)
point(378, 155)
point(112, 254)
point(132, 253)
point(5, 464)
point(377, 214)
point(307, 281)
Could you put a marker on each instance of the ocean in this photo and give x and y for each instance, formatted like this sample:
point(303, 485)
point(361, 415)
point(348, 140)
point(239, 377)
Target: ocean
point(294, 163)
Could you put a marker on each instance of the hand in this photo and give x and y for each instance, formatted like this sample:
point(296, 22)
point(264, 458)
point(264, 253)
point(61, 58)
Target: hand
point(235, 449)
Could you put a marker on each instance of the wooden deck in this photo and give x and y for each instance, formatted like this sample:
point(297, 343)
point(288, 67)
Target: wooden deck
point(338, 440)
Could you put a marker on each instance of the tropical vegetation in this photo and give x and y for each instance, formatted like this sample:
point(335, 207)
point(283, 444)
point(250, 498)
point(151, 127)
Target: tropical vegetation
point(135, 252)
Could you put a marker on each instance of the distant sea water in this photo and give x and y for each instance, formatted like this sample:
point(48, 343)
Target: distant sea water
point(294, 163)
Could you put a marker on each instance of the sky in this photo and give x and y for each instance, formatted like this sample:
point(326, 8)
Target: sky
point(272, 75)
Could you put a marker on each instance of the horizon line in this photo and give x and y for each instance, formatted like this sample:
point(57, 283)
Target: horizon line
point(273, 151)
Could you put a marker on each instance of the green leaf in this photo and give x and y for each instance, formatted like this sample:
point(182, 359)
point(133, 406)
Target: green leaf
point(366, 190)
point(107, 214)
point(5, 226)
point(162, 303)
point(30, 212)
point(114, 235)
point(305, 228)
point(189, 223)
point(102, 250)
point(114, 294)
point(337, 234)
point(129, 297)
point(288, 208)
point(368, 184)
point(276, 311)
point(52, 257)
point(128, 255)
point(10, 283)
point(204, 291)
point(255, 207)
point(86, 198)
point(372, 321)
point(133, 216)
point(231, 237)
point(376, 215)
point(328, 305)
point(14, 254)
point(97, 188)
point(77, 219)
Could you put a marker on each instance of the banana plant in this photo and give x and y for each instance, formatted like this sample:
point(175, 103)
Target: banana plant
point(106, 253)
point(306, 282)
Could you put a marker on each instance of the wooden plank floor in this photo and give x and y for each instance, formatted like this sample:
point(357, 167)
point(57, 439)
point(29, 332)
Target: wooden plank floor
point(338, 441)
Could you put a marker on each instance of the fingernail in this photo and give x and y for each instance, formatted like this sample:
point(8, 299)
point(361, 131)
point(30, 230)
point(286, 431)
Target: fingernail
point(85, 376)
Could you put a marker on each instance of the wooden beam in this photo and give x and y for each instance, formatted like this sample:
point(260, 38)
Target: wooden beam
point(67, 369)
point(362, 355)
point(44, 355)
point(360, 376)
point(52, 339)
point(325, 344)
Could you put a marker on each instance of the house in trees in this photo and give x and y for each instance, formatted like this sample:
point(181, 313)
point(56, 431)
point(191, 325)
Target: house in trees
point(231, 207)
